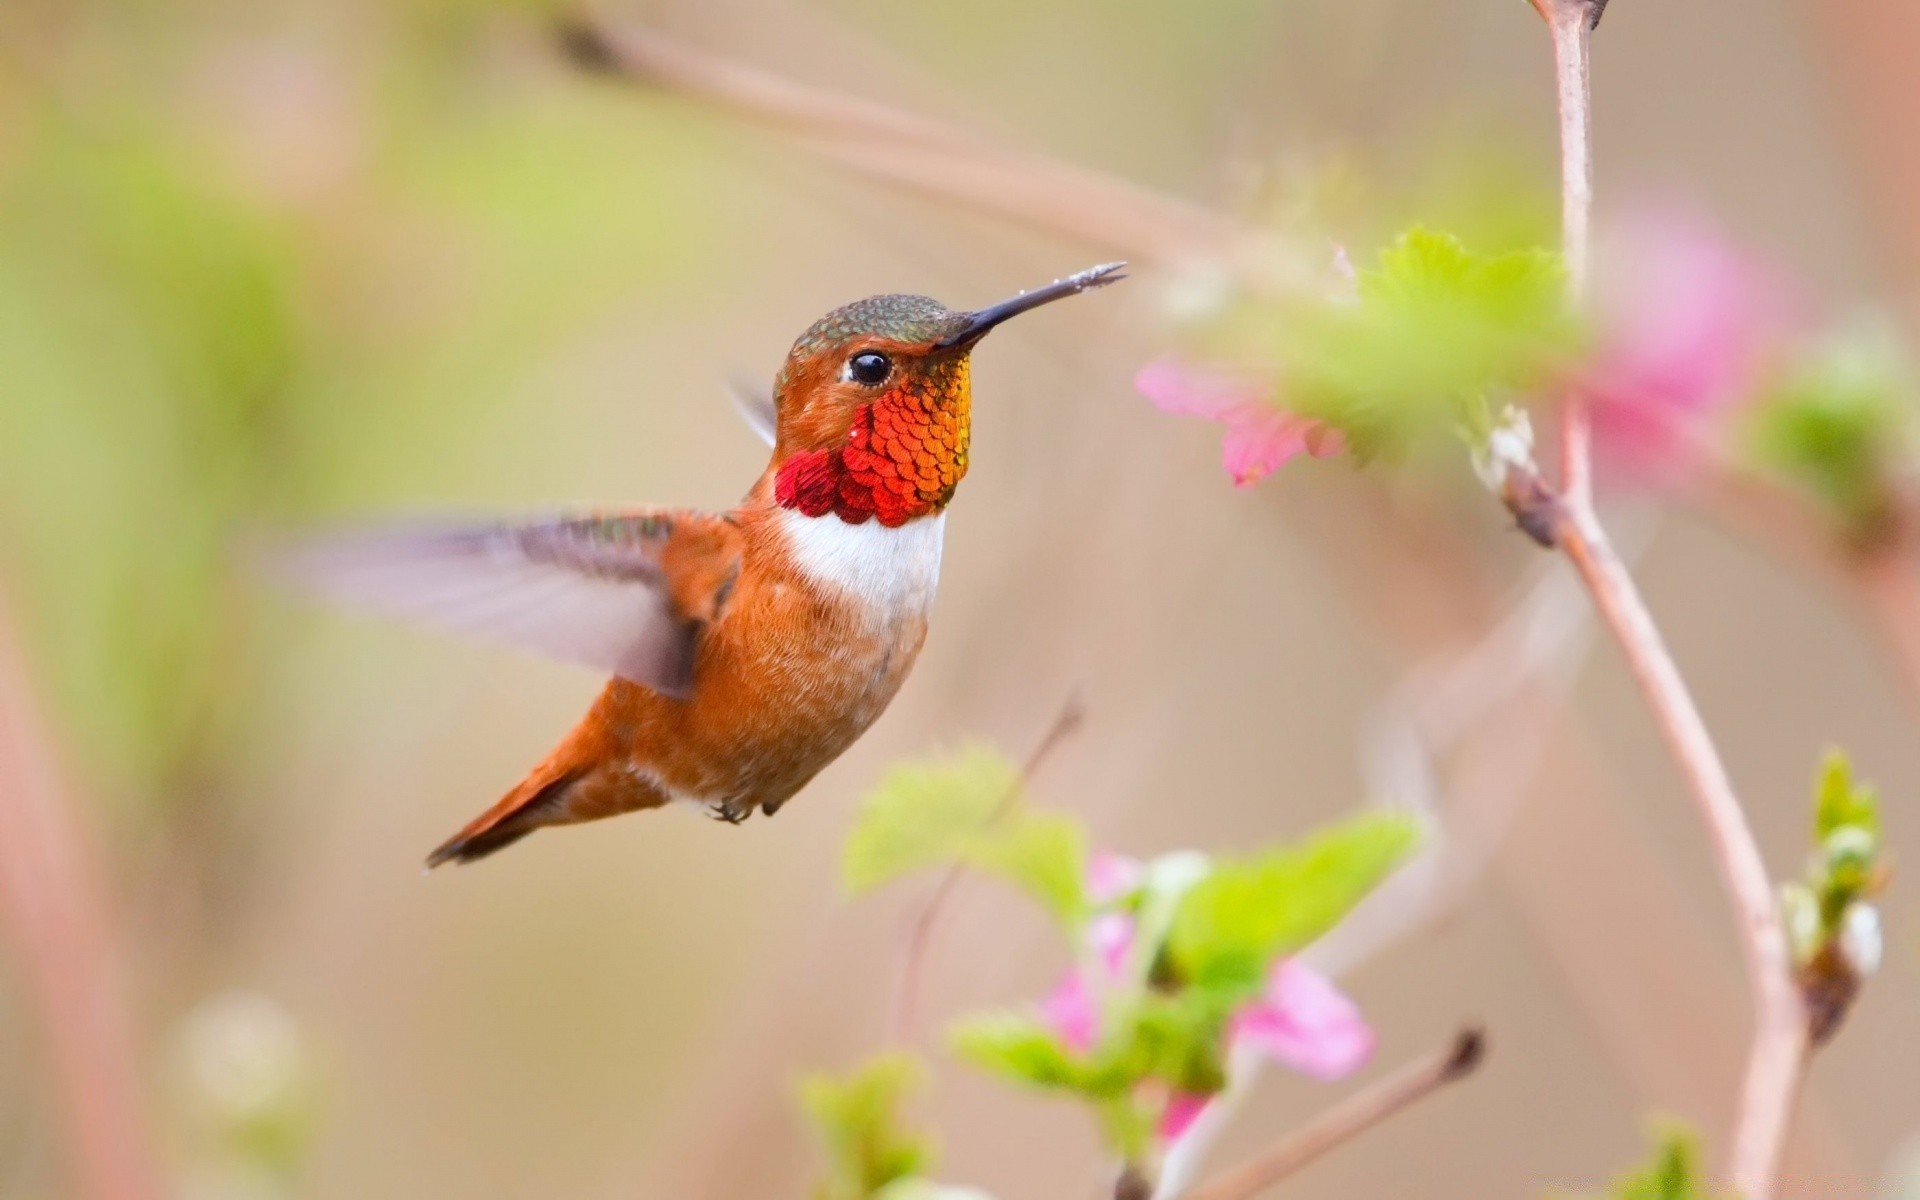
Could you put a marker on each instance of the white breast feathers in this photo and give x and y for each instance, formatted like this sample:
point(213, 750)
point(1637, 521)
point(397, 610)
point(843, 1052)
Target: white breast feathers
point(891, 571)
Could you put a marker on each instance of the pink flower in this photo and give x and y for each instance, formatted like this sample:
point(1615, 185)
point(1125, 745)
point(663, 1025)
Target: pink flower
point(1301, 1021)
point(1305, 1022)
point(1183, 1109)
point(1259, 438)
point(1073, 1012)
point(1113, 877)
point(1686, 324)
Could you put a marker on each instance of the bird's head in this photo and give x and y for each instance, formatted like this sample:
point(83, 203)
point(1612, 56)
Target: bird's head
point(875, 405)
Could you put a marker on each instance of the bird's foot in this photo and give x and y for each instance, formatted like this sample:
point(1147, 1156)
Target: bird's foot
point(732, 811)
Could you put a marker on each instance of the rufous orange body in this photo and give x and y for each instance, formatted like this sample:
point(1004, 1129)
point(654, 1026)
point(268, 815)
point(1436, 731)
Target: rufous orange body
point(749, 648)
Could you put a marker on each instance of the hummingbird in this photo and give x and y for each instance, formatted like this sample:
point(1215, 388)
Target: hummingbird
point(750, 648)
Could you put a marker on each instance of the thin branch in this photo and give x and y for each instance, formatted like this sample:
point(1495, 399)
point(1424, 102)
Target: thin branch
point(1572, 22)
point(911, 151)
point(1779, 1045)
point(913, 965)
point(1349, 1119)
point(52, 912)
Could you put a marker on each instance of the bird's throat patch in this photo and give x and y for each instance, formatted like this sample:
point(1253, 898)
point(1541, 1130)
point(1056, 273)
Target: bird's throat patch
point(903, 457)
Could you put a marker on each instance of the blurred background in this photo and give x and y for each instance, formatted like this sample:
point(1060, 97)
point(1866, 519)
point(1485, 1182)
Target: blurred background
point(266, 266)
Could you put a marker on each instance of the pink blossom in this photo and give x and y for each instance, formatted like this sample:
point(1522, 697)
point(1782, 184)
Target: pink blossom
point(1305, 1022)
point(1113, 877)
point(1300, 1020)
point(1110, 937)
point(1259, 437)
point(1685, 324)
point(1073, 1012)
point(1182, 1110)
point(1072, 1009)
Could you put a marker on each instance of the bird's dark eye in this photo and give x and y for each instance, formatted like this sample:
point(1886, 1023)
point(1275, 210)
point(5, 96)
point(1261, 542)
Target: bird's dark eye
point(869, 366)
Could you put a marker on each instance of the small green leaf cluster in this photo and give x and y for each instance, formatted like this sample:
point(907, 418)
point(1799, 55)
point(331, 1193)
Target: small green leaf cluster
point(1202, 934)
point(871, 1155)
point(1840, 425)
point(1673, 1173)
point(1832, 924)
point(1432, 337)
point(968, 809)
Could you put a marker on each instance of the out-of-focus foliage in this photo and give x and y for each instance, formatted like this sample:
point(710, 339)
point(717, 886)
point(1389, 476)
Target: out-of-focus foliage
point(1831, 920)
point(871, 1155)
point(1171, 951)
point(1840, 425)
point(250, 1086)
point(1428, 338)
point(1246, 913)
point(1673, 1173)
point(252, 276)
point(1196, 964)
point(967, 808)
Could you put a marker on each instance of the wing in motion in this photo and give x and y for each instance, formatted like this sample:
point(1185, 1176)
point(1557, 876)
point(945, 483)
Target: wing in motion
point(625, 592)
point(755, 406)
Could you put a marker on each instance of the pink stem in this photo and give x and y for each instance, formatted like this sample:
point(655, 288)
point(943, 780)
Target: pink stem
point(52, 911)
point(1779, 1047)
point(1572, 28)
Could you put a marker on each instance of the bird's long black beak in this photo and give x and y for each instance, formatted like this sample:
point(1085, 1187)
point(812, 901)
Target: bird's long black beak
point(980, 321)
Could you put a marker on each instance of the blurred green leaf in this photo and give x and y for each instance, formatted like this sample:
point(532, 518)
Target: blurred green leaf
point(1433, 333)
point(1673, 1173)
point(1839, 425)
point(1839, 803)
point(968, 809)
point(1243, 915)
point(1020, 1048)
point(1847, 868)
point(858, 1121)
point(1043, 853)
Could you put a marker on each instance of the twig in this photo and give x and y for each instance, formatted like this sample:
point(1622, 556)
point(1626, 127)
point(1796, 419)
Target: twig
point(1349, 1119)
point(1780, 1025)
point(51, 910)
point(1572, 23)
point(911, 151)
point(913, 963)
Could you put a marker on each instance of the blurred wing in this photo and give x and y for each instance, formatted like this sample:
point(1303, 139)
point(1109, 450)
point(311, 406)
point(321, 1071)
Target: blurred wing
point(626, 593)
point(755, 406)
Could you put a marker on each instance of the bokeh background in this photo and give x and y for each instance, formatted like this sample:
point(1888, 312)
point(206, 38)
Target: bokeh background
point(265, 266)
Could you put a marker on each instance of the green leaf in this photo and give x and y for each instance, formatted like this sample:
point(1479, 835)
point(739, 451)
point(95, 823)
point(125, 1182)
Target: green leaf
point(968, 809)
point(1436, 330)
point(1672, 1174)
point(1839, 804)
point(1020, 1048)
point(1043, 853)
point(1232, 924)
point(1179, 1038)
point(857, 1119)
point(1839, 426)
point(1846, 822)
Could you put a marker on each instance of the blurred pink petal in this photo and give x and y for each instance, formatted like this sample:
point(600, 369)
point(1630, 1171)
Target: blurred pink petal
point(1302, 1020)
point(1183, 1109)
point(1687, 324)
point(1110, 937)
point(1260, 437)
point(1112, 877)
point(1189, 390)
point(1073, 1013)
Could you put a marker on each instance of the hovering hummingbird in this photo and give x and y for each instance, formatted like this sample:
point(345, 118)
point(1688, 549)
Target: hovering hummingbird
point(748, 648)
